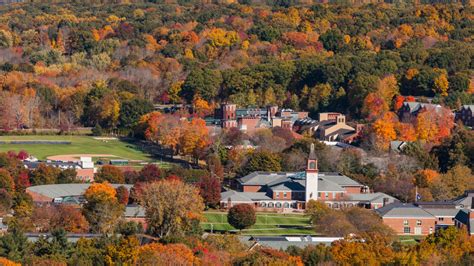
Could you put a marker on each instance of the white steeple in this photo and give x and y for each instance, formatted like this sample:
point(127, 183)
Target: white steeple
point(312, 176)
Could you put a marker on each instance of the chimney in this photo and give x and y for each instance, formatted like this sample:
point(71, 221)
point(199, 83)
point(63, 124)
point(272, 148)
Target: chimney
point(385, 201)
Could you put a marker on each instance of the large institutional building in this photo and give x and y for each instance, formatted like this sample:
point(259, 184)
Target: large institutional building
point(292, 190)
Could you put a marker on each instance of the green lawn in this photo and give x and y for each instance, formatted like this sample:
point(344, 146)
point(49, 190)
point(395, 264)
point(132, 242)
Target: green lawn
point(267, 224)
point(410, 240)
point(79, 145)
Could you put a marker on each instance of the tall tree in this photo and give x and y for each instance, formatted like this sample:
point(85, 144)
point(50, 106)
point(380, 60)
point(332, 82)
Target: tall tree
point(170, 207)
point(102, 209)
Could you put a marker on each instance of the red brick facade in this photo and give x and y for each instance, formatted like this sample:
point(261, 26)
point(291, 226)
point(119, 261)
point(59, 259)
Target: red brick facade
point(411, 226)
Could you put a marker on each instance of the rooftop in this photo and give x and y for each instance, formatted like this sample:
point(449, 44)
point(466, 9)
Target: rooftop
point(65, 190)
point(403, 210)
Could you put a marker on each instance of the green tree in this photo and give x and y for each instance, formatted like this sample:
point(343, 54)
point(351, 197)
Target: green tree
point(132, 110)
point(203, 82)
point(14, 245)
point(261, 161)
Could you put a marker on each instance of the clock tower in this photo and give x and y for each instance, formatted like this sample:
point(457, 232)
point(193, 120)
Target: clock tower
point(311, 183)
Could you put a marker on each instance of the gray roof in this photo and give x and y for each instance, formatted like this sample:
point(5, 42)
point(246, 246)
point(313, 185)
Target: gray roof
point(263, 178)
point(339, 179)
point(237, 196)
point(289, 186)
point(326, 185)
point(442, 212)
point(403, 210)
point(272, 178)
point(371, 197)
point(469, 106)
point(416, 106)
point(283, 242)
point(463, 217)
point(134, 211)
point(65, 190)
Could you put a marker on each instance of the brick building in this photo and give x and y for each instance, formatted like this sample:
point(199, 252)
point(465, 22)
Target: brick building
point(329, 127)
point(435, 215)
point(407, 219)
point(275, 191)
point(251, 119)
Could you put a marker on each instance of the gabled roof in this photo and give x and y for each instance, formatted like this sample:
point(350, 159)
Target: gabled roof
point(264, 178)
point(371, 197)
point(339, 179)
point(325, 185)
point(416, 106)
point(403, 210)
point(463, 217)
point(289, 186)
point(469, 106)
point(236, 196)
point(442, 212)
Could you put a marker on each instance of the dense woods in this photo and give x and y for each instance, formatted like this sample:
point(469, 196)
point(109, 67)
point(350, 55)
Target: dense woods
point(67, 65)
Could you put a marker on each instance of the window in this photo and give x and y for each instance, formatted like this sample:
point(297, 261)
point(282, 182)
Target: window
point(406, 230)
point(418, 222)
point(441, 219)
point(277, 195)
point(405, 222)
point(284, 195)
point(270, 205)
point(335, 206)
point(326, 195)
point(263, 205)
point(278, 205)
point(286, 205)
point(319, 195)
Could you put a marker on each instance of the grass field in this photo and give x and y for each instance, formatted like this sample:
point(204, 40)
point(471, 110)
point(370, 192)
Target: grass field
point(79, 145)
point(267, 224)
point(410, 240)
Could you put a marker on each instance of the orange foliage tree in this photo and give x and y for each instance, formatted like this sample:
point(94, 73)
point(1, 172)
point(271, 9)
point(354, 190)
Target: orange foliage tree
point(188, 137)
point(374, 106)
point(384, 130)
point(171, 254)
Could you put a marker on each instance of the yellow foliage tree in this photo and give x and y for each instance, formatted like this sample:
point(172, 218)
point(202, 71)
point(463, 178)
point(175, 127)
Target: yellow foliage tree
point(221, 38)
point(441, 83)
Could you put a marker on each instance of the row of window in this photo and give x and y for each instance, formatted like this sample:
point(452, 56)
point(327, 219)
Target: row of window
point(405, 222)
point(301, 194)
point(277, 205)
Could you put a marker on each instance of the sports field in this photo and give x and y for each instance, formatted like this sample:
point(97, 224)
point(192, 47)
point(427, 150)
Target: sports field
point(79, 145)
point(267, 224)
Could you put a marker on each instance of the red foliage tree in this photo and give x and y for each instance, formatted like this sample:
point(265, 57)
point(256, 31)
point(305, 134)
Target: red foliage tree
point(122, 195)
point(149, 173)
point(242, 216)
point(210, 190)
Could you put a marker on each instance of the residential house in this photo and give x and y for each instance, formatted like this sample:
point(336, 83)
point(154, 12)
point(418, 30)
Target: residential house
point(466, 115)
point(465, 220)
point(279, 191)
point(330, 127)
point(410, 110)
